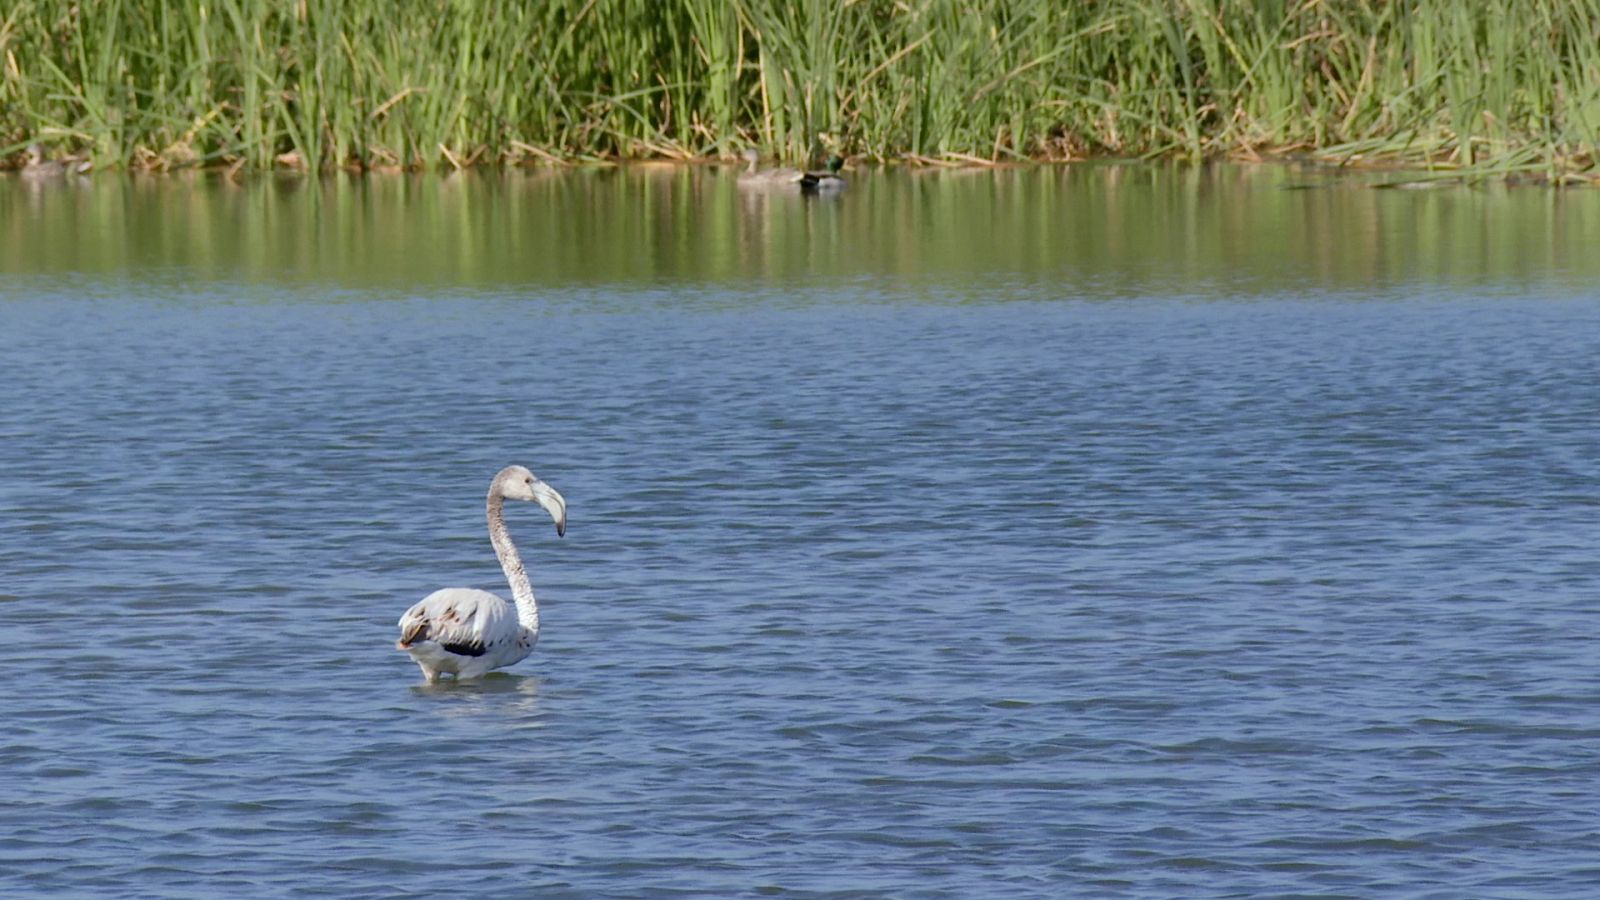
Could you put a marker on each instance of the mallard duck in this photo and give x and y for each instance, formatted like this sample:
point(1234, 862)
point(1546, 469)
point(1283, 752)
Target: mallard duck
point(39, 167)
point(753, 176)
point(827, 180)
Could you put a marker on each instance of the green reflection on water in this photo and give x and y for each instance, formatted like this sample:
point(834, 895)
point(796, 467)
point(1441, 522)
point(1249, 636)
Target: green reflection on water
point(1087, 230)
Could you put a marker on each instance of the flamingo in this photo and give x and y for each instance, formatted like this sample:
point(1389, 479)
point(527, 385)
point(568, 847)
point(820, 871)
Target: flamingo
point(468, 632)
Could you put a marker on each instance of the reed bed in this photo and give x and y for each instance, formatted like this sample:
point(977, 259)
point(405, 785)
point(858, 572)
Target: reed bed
point(1507, 87)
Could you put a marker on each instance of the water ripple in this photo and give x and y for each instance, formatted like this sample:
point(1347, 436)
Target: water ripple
point(1146, 598)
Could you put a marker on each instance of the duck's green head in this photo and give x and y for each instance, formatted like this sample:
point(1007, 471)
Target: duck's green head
point(835, 163)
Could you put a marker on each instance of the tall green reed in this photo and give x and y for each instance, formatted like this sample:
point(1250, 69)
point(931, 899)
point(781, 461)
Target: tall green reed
point(1512, 86)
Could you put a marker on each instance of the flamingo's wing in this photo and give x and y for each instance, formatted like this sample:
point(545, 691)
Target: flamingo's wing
point(460, 620)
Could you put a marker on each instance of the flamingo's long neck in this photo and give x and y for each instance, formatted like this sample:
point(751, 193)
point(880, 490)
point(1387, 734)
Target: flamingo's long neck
point(521, 590)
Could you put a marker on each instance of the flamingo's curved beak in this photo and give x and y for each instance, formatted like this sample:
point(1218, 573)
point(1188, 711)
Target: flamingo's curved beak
point(554, 504)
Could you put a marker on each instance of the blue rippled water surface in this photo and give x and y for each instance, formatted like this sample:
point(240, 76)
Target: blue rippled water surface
point(1180, 576)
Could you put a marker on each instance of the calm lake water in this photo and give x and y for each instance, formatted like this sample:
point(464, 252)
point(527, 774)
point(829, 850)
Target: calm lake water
point(1107, 531)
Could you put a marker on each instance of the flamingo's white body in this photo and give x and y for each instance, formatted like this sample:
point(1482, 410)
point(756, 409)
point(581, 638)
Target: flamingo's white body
point(468, 632)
